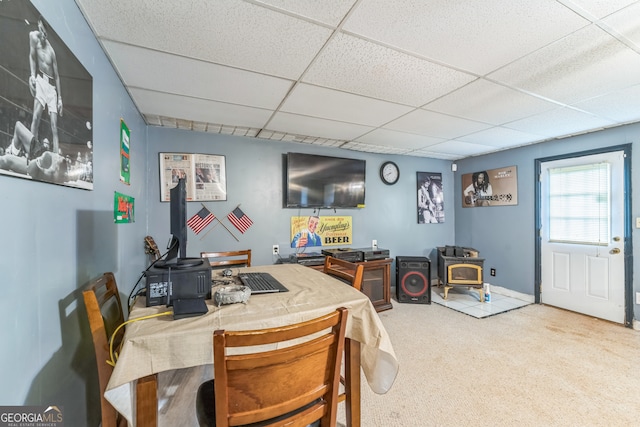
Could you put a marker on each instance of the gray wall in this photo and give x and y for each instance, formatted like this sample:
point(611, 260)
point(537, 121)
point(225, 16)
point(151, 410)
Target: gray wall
point(255, 181)
point(505, 235)
point(55, 238)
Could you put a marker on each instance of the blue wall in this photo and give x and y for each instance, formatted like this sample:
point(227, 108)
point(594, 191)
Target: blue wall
point(255, 181)
point(505, 235)
point(57, 238)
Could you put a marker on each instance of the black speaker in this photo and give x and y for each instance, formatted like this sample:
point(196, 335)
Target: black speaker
point(413, 279)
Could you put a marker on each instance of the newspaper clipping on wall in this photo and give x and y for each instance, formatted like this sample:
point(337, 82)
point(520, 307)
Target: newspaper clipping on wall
point(205, 176)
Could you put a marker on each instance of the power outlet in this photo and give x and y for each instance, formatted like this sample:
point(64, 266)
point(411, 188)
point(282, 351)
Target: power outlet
point(493, 272)
point(276, 249)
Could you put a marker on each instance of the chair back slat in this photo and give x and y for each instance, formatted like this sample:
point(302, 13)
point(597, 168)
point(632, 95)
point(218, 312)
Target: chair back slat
point(293, 374)
point(348, 272)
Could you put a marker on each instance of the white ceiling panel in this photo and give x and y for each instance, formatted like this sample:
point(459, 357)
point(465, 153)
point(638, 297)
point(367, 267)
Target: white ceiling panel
point(500, 137)
point(355, 65)
point(559, 122)
point(599, 8)
point(329, 12)
point(488, 102)
point(332, 104)
point(436, 125)
point(382, 137)
point(409, 77)
point(626, 22)
point(304, 125)
point(620, 106)
point(457, 147)
point(475, 28)
point(585, 64)
point(186, 108)
point(230, 32)
point(195, 78)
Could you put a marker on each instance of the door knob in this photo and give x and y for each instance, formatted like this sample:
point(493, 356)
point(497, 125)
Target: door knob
point(614, 251)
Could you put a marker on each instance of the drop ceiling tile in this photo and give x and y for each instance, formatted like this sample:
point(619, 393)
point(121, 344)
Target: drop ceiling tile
point(325, 103)
point(329, 12)
point(195, 78)
point(501, 137)
point(458, 148)
point(489, 102)
point(311, 126)
point(560, 122)
point(182, 107)
point(476, 36)
point(625, 22)
point(585, 64)
point(436, 125)
point(598, 8)
point(230, 32)
point(382, 137)
point(354, 65)
point(620, 106)
point(371, 148)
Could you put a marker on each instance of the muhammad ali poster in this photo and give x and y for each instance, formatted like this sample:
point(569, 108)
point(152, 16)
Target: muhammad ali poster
point(494, 187)
point(46, 102)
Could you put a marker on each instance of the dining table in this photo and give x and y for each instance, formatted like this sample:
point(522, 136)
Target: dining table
point(155, 343)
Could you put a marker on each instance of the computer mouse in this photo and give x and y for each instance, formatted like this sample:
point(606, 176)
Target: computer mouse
point(227, 272)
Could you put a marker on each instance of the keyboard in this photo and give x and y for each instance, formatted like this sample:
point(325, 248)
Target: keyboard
point(261, 283)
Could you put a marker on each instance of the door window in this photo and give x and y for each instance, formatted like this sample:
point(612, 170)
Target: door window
point(580, 204)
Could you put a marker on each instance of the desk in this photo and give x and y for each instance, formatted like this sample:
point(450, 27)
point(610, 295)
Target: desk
point(162, 344)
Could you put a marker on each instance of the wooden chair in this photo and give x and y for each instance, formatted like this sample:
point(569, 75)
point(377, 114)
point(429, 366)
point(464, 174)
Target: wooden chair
point(346, 271)
point(105, 314)
point(295, 385)
point(228, 259)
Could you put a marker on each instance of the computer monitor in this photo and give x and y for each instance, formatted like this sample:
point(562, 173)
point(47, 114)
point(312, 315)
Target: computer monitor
point(177, 254)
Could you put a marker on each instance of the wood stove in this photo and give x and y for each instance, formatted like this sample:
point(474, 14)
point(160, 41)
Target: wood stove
point(458, 266)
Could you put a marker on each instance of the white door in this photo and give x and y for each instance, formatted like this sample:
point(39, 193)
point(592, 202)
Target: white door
point(582, 235)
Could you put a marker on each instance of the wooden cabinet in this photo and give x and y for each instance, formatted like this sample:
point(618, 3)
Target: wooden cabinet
point(376, 283)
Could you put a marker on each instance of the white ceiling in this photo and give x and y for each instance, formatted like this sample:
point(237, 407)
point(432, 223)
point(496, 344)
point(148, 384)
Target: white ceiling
point(445, 79)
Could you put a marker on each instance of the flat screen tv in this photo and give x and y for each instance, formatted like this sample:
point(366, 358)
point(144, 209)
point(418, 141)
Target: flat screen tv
point(314, 181)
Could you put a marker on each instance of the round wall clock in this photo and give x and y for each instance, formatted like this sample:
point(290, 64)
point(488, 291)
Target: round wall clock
point(389, 173)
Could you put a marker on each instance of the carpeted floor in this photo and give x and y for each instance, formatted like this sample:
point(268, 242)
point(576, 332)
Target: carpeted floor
point(534, 366)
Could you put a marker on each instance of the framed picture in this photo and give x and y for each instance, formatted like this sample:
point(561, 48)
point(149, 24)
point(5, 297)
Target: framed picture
point(430, 198)
point(46, 99)
point(493, 187)
point(205, 176)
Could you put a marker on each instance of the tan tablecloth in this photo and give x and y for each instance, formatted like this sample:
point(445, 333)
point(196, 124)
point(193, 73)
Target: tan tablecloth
point(162, 344)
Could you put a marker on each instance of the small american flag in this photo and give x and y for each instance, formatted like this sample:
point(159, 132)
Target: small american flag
point(240, 220)
point(199, 221)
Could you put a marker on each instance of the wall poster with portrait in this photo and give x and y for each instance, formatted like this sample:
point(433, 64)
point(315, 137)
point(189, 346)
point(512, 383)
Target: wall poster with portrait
point(318, 231)
point(430, 198)
point(493, 187)
point(46, 99)
point(205, 175)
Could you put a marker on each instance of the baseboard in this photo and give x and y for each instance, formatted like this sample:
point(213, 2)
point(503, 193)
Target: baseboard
point(511, 293)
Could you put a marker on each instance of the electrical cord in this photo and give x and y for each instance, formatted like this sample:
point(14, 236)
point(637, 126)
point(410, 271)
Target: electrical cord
point(113, 357)
point(132, 297)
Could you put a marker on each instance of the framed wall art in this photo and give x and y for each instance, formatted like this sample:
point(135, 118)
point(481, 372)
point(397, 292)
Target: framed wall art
point(46, 99)
point(493, 187)
point(205, 176)
point(430, 198)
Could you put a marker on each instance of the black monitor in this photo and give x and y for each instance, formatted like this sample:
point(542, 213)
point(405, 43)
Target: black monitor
point(177, 255)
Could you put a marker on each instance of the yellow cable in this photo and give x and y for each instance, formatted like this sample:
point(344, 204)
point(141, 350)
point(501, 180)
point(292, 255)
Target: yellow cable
point(113, 359)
